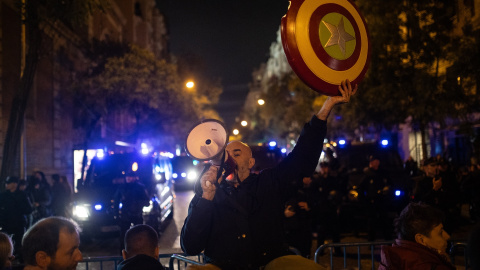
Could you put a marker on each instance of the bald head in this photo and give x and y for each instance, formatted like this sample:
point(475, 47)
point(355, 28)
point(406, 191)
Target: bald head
point(242, 154)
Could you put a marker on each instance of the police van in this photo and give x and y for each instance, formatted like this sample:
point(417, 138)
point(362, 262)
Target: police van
point(95, 208)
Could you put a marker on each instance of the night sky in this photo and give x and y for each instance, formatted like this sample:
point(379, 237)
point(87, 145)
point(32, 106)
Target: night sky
point(233, 37)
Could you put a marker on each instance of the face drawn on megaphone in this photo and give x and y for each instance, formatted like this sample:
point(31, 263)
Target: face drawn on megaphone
point(207, 141)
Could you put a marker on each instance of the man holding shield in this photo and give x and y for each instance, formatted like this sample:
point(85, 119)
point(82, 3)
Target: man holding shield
point(237, 223)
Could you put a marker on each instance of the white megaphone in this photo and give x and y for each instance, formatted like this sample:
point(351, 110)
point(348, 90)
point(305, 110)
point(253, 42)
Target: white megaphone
point(206, 141)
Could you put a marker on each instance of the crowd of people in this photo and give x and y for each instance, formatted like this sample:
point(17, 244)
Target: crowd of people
point(26, 201)
point(327, 204)
point(53, 243)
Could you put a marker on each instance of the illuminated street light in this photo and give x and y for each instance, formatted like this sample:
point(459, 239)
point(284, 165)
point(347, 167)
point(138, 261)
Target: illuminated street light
point(261, 102)
point(190, 84)
point(244, 123)
point(235, 132)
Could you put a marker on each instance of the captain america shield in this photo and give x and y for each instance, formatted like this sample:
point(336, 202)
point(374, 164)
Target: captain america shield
point(326, 42)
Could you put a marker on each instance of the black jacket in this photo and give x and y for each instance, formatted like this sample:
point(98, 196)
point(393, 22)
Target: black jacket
point(245, 231)
point(140, 262)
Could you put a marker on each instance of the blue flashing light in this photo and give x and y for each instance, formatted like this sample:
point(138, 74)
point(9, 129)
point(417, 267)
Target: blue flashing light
point(398, 193)
point(384, 142)
point(145, 151)
point(272, 143)
point(98, 207)
point(184, 174)
point(120, 206)
point(284, 150)
point(342, 142)
point(174, 175)
point(195, 162)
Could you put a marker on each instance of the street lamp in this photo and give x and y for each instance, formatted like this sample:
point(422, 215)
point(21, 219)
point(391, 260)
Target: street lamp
point(236, 132)
point(190, 84)
point(244, 123)
point(261, 102)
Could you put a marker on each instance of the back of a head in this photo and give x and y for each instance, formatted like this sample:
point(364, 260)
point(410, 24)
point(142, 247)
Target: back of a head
point(417, 218)
point(44, 236)
point(141, 239)
point(6, 249)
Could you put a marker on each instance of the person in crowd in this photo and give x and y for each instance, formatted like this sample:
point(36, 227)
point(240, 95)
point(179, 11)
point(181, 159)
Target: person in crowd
point(470, 188)
point(298, 226)
point(329, 201)
point(473, 247)
point(141, 249)
point(238, 222)
point(421, 240)
point(22, 185)
point(411, 167)
point(431, 189)
point(133, 197)
point(52, 243)
point(374, 194)
point(41, 196)
point(14, 208)
point(6, 252)
point(61, 196)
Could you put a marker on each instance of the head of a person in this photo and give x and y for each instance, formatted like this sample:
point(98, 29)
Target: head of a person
point(6, 251)
point(40, 176)
point(324, 168)
point(11, 183)
point(52, 243)
point(141, 239)
point(374, 162)
point(22, 184)
point(430, 167)
point(242, 155)
point(423, 224)
point(56, 178)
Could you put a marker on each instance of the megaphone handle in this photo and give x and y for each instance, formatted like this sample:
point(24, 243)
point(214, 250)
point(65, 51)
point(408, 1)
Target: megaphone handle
point(220, 169)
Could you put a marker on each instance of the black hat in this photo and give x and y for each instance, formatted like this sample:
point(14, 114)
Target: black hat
point(430, 161)
point(11, 179)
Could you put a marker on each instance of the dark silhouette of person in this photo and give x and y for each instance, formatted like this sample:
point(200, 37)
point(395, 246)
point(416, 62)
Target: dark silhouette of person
point(61, 196)
point(132, 196)
point(141, 249)
point(14, 208)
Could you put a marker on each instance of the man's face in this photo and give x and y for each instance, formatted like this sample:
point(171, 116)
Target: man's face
point(68, 255)
point(431, 169)
point(11, 186)
point(437, 239)
point(242, 154)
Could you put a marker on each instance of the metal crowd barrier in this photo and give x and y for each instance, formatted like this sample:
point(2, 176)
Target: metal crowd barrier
point(181, 260)
point(455, 246)
point(453, 251)
point(344, 246)
point(111, 262)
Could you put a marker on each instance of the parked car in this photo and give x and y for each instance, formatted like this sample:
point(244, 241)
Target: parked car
point(94, 205)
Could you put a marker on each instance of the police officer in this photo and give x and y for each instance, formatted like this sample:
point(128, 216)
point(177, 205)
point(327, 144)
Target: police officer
point(374, 193)
point(133, 197)
point(14, 208)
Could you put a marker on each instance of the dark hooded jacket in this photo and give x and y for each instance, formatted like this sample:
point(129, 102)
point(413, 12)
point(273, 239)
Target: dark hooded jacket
point(140, 262)
point(409, 255)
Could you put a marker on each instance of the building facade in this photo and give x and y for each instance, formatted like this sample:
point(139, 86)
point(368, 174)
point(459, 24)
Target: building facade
point(49, 135)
